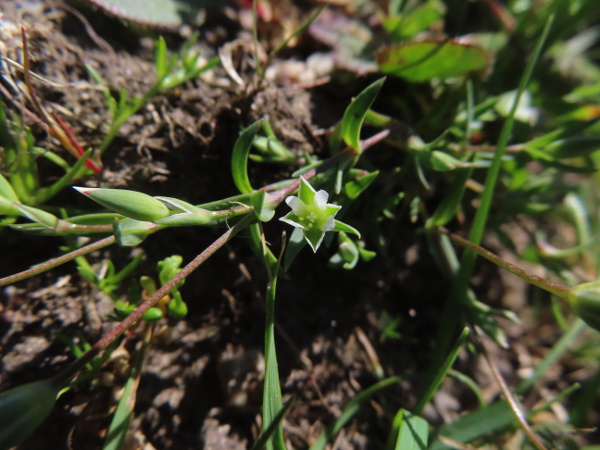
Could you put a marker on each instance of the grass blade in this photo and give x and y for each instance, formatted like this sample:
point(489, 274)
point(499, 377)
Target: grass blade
point(435, 384)
point(272, 403)
point(412, 432)
point(124, 412)
point(261, 442)
point(351, 408)
point(459, 288)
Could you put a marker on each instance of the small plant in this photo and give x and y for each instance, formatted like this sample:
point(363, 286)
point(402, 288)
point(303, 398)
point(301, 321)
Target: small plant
point(137, 215)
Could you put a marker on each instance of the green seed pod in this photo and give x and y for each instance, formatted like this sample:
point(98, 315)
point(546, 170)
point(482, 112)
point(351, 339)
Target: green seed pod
point(152, 315)
point(148, 284)
point(135, 205)
point(585, 301)
point(177, 309)
point(24, 408)
point(122, 310)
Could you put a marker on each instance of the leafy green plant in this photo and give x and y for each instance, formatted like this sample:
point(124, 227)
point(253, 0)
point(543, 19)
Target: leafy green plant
point(138, 215)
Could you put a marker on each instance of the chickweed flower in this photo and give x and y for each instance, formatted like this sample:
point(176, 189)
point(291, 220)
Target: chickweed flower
point(313, 215)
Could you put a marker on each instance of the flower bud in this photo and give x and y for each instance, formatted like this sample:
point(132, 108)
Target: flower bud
point(135, 205)
point(585, 302)
point(122, 310)
point(152, 315)
point(177, 308)
point(24, 408)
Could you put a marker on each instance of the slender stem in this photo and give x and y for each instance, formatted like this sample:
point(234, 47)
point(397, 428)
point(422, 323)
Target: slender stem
point(512, 401)
point(557, 289)
point(137, 314)
point(348, 153)
point(55, 262)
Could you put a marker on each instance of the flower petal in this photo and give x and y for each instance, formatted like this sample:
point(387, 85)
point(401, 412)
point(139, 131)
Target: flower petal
point(329, 225)
point(321, 199)
point(297, 205)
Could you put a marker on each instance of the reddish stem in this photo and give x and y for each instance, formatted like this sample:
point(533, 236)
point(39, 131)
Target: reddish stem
point(137, 314)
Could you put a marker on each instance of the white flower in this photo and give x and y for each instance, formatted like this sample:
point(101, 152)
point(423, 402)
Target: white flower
point(313, 215)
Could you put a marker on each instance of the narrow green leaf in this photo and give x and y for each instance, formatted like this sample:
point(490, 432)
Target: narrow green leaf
point(8, 208)
point(298, 30)
point(94, 219)
point(458, 295)
point(451, 202)
point(295, 244)
point(39, 216)
point(272, 402)
point(442, 372)
point(262, 440)
point(411, 432)
point(355, 187)
point(424, 61)
point(493, 417)
point(131, 232)
point(341, 226)
point(133, 204)
point(239, 158)
point(335, 139)
point(257, 247)
point(160, 58)
point(191, 219)
point(405, 26)
point(124, 412)
point(110, 100)
point(356, 112)
point(45, 193)
point(24, 408)
point(574, 147)
point(260, 201)
point(7, 191)
point(350, 410)
point(6, 138)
